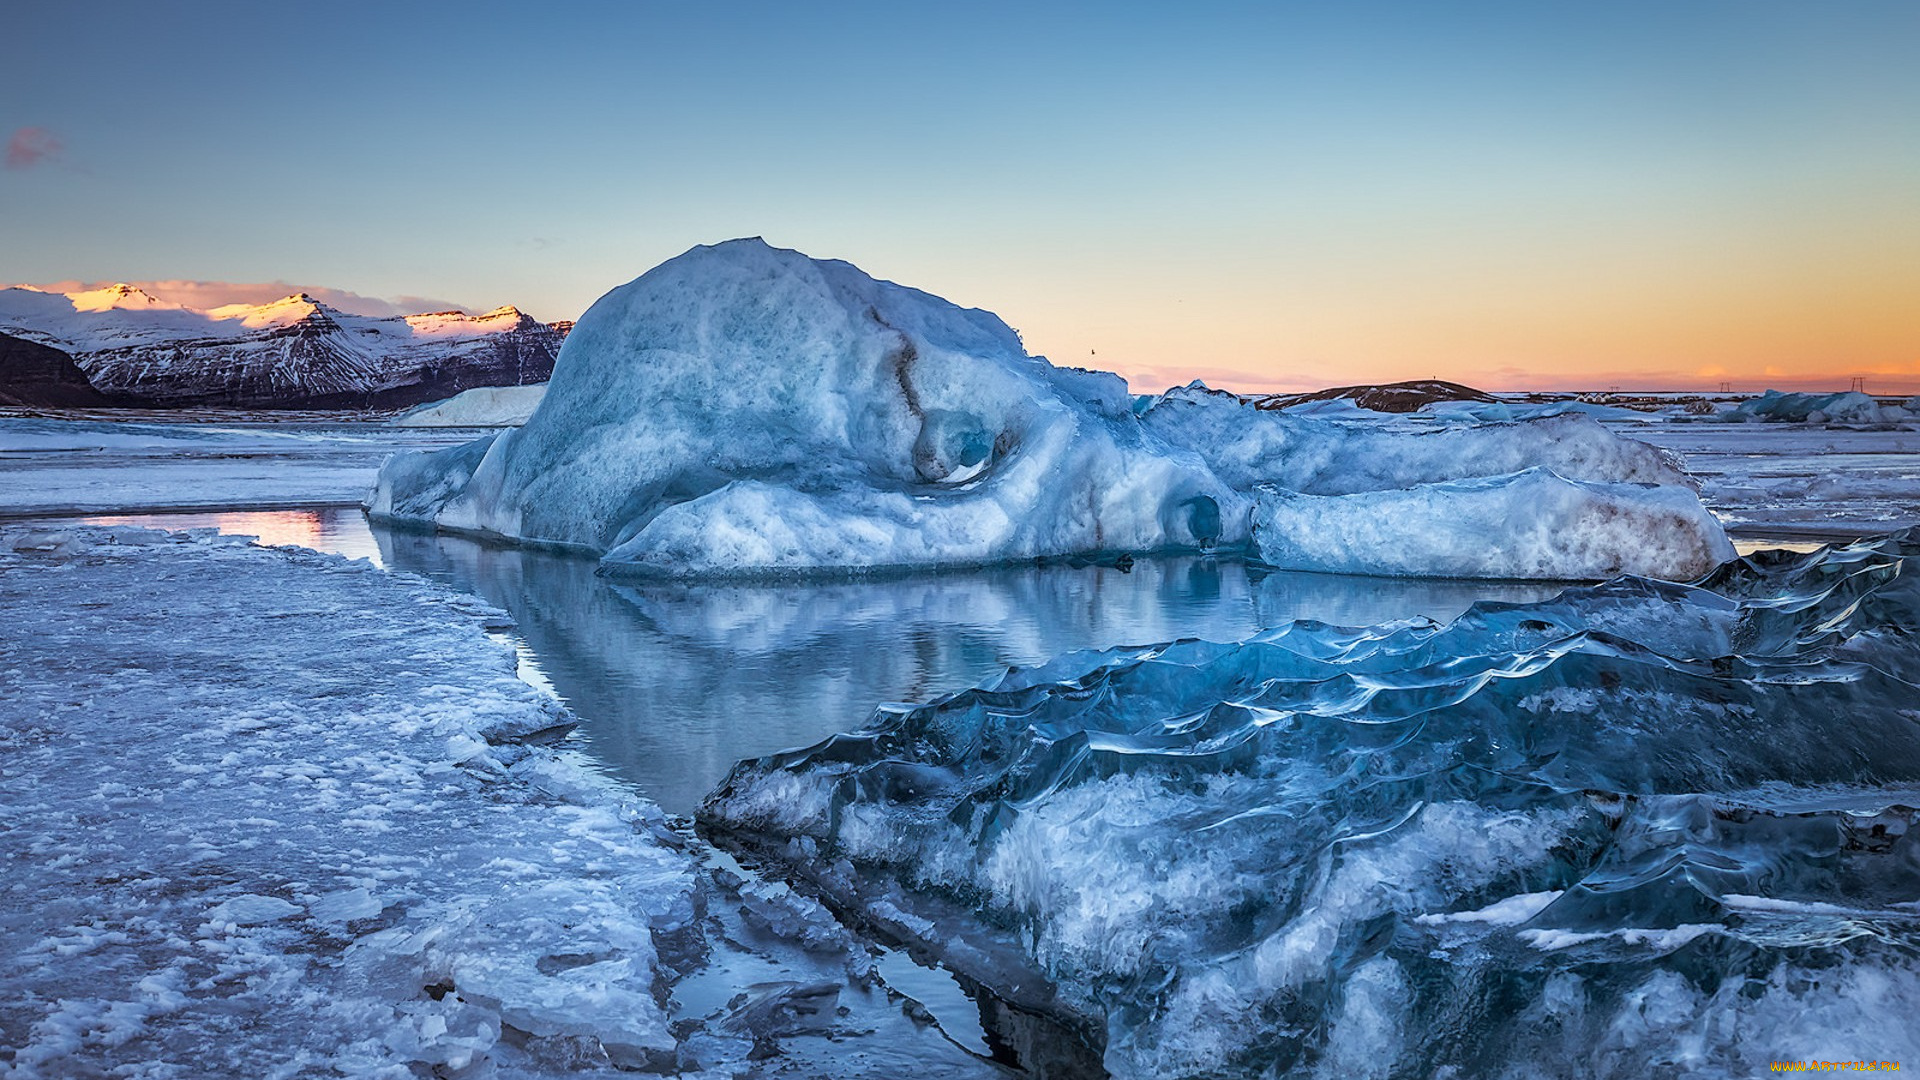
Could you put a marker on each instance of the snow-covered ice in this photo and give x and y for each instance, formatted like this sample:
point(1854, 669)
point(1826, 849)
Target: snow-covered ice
point(482, 406)
point(1856, 473)
point(272, 813)
point(746, 409)
point(1638, 827)
point(1531, 524)
point(1247, 447)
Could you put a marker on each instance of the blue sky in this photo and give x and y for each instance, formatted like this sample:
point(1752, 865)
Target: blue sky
point(1269, 195)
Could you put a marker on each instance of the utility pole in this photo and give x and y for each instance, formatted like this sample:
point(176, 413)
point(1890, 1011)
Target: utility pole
point(1859, 384)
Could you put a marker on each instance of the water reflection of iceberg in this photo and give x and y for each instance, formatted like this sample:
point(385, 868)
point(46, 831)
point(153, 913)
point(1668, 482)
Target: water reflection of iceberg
point(1637, 825)
point(676, 682)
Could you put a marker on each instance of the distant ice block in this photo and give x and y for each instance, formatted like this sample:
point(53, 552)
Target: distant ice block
point(1531, 524)
point(1851, 407)
point(744, 409)
point(482, 406)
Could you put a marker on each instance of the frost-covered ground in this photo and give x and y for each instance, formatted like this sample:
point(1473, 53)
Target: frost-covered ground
point(273, 813)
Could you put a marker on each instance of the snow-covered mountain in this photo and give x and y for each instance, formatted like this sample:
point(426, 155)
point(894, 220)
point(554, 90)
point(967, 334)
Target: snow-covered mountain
point(295, 352)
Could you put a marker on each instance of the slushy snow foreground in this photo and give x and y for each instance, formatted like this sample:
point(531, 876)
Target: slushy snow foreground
point(271, 813)
point(747, 409)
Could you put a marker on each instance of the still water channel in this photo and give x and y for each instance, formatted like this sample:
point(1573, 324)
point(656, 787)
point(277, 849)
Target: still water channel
point(674, 682)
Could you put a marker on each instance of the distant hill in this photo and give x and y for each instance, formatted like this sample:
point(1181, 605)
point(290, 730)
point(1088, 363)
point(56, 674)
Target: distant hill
point(295, 352)
point(1400, 397)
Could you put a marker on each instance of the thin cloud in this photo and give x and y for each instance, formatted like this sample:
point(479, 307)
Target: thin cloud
point(30, 146)
point(1153, 378)
point(204, 295)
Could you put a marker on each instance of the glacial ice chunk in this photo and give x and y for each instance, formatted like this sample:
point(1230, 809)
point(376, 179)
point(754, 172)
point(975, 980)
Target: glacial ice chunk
point(1848, 407)
point(1532, 524)
point(743, 409)
point(1246, 447)
point(1634, 816)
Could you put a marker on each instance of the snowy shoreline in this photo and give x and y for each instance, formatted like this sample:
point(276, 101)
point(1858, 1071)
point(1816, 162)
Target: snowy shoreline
point(244, 782)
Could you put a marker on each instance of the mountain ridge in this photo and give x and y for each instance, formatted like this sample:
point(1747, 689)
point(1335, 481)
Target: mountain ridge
point(293, 352)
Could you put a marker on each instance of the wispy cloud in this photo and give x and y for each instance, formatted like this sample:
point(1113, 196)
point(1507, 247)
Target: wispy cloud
point(203, 295)
point(30, 146)
point(1153, 378)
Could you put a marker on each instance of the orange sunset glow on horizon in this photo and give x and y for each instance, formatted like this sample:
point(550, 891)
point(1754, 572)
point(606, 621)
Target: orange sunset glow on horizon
point(1264, 197)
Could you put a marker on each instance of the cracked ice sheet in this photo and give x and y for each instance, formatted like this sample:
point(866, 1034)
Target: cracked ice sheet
point(1800, 479)
point(261, 815)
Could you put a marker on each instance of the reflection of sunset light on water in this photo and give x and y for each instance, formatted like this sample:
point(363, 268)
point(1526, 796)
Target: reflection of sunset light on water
point(339, 531)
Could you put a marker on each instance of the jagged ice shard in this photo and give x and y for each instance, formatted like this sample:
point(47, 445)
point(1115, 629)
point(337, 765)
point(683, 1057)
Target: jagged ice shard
point(747, 409)
point(1640, 827)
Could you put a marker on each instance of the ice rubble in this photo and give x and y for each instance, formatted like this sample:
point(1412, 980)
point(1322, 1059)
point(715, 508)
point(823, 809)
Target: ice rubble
point(747, 409)
point(269, 810)
point(1640, 825)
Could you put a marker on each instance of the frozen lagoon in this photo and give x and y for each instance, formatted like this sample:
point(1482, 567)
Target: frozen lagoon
point(963, 639)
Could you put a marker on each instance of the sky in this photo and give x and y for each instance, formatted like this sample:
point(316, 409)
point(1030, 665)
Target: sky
point(1272, 196)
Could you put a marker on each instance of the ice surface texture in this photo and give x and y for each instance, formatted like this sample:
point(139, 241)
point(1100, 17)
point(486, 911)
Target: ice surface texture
point(273, 813)
point(1532, 524)
point(746, 409)
point(1642, 824)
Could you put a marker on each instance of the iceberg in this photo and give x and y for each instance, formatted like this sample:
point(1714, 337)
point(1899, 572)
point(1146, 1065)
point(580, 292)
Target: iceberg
point(743, 408)
point(747, 410)
point(1849, 407)
point(1636, 820)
